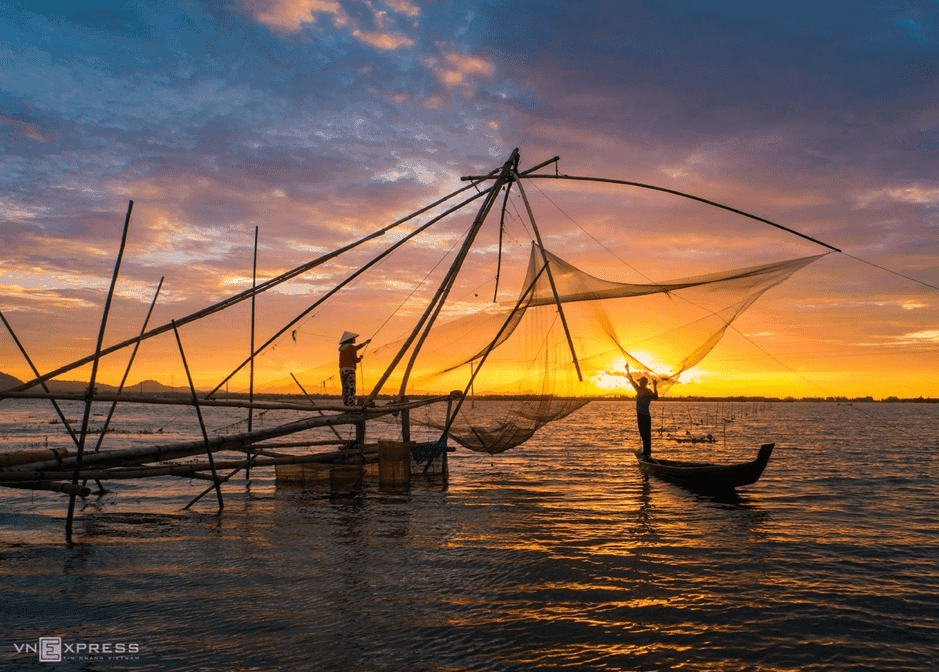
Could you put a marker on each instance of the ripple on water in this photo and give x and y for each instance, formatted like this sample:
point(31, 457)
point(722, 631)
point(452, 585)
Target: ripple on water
point(558, 556)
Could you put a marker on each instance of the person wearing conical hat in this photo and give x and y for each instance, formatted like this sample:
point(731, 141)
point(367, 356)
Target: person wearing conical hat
point(348, 358)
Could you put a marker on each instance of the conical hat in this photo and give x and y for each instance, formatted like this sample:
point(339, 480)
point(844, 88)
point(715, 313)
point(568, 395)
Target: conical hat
point(346, 337)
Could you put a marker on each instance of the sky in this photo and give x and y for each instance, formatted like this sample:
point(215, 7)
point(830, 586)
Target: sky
point(316, 122)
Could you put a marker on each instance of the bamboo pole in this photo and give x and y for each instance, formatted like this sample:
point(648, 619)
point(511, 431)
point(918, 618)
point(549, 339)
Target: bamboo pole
point(436, 303)
point(205, 434)
point(554, 289)
point(94, 372)
point(73, 490)
point(176, 399)
point(237, 298)
point(130, 362)
point(235, 442)
point(181, 470)
point(335, 431)
point(45, 387)
point(254, 287)
point(30, 455)
point(345, 282)
point(120, 388)
point(529, 290)
point(509, 168)
point(675, 192)
point(505, 202)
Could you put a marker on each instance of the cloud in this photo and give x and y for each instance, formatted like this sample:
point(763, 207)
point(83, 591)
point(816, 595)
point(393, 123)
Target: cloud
point(26, 130)
point(386, 41)
point(927, 336)
point(290, 16)
point(916, 194)
point(458, 71)
point(17, 212)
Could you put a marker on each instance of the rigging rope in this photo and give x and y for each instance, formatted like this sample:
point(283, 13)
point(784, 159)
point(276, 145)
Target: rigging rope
point(882, 268)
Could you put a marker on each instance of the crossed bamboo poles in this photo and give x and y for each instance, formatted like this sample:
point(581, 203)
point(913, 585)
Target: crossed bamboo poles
point(126, 463)
point(40, 475)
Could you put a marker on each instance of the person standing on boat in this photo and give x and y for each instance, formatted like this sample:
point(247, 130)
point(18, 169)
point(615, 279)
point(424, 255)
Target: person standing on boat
point(348, 358)
point(644, 397)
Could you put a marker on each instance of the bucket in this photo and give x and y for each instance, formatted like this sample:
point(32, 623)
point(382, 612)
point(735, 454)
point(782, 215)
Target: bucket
point(347, 477)
point(394, 463)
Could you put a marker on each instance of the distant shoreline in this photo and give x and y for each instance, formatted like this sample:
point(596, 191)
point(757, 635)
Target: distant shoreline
point(152, 387)
point(163, 391)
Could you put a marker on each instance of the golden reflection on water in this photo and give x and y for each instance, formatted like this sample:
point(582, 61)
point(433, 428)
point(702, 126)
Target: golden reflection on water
point(558, 556)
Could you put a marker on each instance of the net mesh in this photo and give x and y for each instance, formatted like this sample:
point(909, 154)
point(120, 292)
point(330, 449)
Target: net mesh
point(521, 352)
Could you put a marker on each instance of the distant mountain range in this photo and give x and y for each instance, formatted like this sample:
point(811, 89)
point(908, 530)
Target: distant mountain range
point(7, 381)
point(77, 386)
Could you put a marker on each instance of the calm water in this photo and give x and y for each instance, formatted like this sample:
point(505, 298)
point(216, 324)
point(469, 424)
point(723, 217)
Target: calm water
point(559, 555)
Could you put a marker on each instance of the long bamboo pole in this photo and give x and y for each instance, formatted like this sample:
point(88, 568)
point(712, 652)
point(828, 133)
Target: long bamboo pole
point(335, 431)
point(177, 400)
point(237, 298)
point(436, 303)
point(554, 289)
point(254, 287)
point(94, 371)
point(130, 363)
point(521, 299)
point(120, 388)
point(68, 488)
point(345, 282)
point(674, 192)
point(509, 168)
point(505, 202)
point(234, 442)
point(182, 470)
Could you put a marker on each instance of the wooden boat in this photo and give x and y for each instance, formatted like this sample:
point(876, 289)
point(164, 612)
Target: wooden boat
point(706, 477)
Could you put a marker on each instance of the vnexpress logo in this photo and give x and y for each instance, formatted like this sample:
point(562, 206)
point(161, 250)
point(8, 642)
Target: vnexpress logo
point(54, 650)
point(50, 649)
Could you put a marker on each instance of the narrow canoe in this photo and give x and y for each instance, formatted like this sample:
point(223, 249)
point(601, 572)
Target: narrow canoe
point(705, 477)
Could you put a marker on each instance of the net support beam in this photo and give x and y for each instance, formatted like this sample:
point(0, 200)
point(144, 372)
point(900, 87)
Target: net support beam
point(436, 303)
point(554, 289)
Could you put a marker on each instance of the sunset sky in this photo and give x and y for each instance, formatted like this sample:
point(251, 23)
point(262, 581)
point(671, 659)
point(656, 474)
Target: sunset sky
point(320, 121)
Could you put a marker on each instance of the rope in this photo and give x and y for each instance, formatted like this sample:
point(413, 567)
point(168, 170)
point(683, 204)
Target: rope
point(898, 274)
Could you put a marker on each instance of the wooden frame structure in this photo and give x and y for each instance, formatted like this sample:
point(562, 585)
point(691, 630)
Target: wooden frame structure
point(69, 471)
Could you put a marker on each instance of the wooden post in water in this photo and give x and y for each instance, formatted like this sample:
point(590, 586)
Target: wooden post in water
point(445, 467)
point(89, 399)
point(205, 434)
point(254, 287)
point(360, 434)
point(120, 388)
point(405, 421)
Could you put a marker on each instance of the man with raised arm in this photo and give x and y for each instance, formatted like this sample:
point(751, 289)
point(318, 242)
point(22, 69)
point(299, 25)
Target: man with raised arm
point(644, 397)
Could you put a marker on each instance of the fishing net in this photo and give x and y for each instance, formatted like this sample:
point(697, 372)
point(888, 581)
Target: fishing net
point(518, 360)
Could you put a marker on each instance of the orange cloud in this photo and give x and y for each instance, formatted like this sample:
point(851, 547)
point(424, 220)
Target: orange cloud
point(385, 41)
point(457, 70)
point(288, 16)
